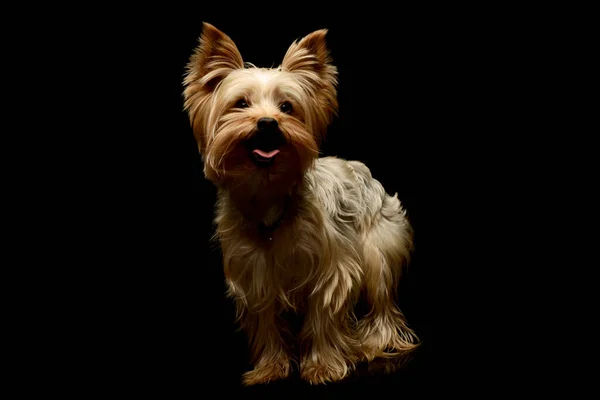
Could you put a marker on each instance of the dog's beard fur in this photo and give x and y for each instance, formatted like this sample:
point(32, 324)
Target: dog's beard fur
point(305, 234)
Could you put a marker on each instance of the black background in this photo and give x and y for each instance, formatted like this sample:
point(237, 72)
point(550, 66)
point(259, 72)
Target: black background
point(417, 89)
point(383, 101)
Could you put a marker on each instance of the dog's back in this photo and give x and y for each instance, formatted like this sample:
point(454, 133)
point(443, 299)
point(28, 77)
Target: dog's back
point(353, 198)
point(365, 216)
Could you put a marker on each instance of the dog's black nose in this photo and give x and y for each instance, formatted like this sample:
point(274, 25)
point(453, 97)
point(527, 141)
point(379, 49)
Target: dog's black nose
point(266, 123)
point(264, 144)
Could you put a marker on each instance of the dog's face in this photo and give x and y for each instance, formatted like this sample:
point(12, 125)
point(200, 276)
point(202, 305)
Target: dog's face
point(259, 128)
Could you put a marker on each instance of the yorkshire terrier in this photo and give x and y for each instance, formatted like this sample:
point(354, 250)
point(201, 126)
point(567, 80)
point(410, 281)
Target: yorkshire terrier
point(298, 233)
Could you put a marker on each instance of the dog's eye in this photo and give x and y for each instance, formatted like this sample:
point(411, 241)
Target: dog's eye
point(241, 103)
point(286, 107)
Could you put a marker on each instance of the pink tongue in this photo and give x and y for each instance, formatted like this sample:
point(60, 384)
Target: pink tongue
point(265, 154)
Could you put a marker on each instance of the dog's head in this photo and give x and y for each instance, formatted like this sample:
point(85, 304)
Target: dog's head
point(259, 125)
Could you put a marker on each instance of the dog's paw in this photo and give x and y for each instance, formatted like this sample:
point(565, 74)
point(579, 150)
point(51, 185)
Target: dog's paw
point(319, 373)
point(267, 372)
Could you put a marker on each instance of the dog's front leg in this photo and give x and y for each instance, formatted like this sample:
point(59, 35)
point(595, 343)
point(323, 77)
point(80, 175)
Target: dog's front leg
point(328, 346)
point(270, 355)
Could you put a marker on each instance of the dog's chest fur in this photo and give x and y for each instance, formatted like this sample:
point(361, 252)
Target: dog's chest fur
point(325, 221)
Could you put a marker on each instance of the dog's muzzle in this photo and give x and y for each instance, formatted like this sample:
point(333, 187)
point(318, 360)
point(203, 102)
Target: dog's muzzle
point(265, 142)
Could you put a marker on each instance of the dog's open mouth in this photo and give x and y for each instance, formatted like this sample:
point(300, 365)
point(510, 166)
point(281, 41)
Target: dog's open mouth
point(264, 158)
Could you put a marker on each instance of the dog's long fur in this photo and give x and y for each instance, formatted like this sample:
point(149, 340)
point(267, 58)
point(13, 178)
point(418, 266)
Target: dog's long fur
point(309, 235)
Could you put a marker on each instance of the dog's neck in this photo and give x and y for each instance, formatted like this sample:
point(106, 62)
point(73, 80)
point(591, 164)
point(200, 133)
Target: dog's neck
point(272, 221)
point(266, 212)
point(273, 215)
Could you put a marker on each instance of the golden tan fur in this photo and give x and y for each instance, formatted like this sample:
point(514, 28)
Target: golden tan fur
point(308, 234)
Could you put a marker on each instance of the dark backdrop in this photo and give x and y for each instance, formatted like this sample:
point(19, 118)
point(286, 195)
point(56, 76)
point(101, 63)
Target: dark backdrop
point(385, 95)
point(383, 100)
point(411, 108)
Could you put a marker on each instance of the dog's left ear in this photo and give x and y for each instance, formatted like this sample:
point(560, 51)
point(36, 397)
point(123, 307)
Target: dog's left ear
point(310, 56)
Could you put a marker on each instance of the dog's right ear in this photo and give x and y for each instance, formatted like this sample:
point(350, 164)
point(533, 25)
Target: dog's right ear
point(214, 58)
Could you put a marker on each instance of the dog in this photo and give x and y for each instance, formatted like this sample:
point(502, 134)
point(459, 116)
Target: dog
point(299, 233)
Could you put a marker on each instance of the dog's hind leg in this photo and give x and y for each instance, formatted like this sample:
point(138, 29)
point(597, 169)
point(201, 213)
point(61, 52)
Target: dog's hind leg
point(383, 332)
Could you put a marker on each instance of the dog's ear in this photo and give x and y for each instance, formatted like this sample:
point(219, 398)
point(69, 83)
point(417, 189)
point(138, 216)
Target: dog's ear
point(214, 58)
point(311, 57)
